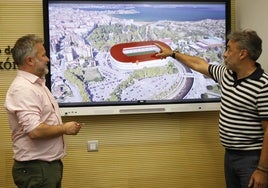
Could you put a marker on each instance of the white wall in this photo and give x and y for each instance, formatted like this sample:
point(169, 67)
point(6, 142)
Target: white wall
point(253, 14)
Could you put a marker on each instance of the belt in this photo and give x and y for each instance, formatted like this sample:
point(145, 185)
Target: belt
point(243, 152)
point(38, 161)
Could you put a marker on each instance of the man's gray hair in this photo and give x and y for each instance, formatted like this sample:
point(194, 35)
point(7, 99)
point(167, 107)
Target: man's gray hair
point(248, 40)
point(24, 47)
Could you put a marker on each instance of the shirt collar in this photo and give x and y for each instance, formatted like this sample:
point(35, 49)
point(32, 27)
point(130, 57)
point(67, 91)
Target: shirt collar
point(31, 77)
point(255, 75)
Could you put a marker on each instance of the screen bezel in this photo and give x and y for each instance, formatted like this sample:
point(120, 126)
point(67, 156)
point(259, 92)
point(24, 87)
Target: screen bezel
point(134, 107)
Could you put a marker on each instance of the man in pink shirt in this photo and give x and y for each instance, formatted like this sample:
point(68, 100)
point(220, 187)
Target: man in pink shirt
point(34, 118)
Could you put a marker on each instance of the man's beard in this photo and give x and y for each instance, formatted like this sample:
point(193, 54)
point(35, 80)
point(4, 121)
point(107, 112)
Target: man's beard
point(46, 71)
point(43, 72)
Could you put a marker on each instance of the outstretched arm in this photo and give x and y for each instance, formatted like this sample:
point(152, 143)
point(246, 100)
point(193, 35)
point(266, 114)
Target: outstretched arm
point(193, 62)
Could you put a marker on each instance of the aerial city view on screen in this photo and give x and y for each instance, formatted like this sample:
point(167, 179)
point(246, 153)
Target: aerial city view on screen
point(106, 52)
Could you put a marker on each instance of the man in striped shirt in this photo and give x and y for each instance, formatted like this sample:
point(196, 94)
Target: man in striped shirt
point(243, 123)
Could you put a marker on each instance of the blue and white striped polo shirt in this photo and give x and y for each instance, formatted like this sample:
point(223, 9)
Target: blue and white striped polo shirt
point(244, 104)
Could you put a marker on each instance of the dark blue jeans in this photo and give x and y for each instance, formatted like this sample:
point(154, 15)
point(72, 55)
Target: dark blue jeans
point(239, 166)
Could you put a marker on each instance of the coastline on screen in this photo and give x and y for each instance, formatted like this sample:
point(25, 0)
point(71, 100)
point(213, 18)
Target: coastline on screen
point(102, 54)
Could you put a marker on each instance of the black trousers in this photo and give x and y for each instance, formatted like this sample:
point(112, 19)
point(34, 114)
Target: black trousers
point(37, 174)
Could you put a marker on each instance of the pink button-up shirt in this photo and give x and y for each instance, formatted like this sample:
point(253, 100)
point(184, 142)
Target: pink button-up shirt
point(29, 103)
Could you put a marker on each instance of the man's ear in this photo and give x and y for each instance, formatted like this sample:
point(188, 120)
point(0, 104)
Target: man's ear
point(29, 61)
point(243, 54)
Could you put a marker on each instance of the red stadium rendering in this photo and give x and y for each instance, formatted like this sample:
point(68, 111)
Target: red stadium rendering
point(135, 55)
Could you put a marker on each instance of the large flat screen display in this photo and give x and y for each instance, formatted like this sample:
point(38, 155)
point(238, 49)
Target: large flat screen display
point(102, 54)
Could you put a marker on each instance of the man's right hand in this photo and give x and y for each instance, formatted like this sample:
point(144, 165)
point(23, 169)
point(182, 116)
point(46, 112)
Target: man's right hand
point(71, 128)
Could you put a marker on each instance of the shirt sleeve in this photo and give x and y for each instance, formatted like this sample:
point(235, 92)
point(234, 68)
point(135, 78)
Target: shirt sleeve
point(217, 71)
point(262, 102)
point(25, 104)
